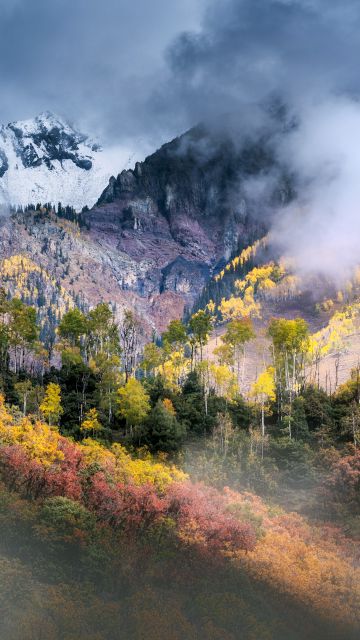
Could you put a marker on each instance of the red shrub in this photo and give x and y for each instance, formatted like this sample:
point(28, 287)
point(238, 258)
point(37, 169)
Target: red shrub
point(20, 473)
point(31, 478)
point(123, 505)
point(201, 515)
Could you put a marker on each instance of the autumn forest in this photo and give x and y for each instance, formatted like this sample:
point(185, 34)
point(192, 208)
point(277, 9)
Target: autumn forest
point(148, 491)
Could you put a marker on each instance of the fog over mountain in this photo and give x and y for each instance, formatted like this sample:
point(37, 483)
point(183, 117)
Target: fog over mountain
point(303, 54)
point(93, 63)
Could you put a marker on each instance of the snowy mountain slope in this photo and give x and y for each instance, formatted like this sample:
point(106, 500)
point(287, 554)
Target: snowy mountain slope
point(46, 160)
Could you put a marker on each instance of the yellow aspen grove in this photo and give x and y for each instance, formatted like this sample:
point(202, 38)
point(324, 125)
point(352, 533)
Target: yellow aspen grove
point(236, 308)
point(243, 258)
point(290, 346)
point(238, 333)
point(223, 380)
point(175, 368)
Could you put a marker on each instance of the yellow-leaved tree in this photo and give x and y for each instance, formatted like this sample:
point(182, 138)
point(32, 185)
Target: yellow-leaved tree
point(39, 441)
point(133, 403)
point(91, 422)
point(51, 407)
point(223, 381)
point(169, 406)
point(5, 416)
point(263, 390)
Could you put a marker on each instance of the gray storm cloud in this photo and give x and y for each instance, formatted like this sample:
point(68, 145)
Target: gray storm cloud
point(250, 50)
point(94, 62)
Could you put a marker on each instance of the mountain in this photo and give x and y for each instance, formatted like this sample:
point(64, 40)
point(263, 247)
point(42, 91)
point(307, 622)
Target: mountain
point(157, 233)
point(46, 160)
point(184, 211)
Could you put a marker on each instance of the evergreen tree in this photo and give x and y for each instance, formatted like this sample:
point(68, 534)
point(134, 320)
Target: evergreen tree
point(162, 431)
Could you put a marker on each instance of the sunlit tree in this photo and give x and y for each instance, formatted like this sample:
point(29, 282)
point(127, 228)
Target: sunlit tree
point(133, 403)
point(91, 422)
point(263, 390)
point(51, 407)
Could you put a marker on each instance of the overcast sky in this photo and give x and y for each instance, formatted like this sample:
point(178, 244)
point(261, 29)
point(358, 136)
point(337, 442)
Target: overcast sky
point(97, 62)
point(150, 68)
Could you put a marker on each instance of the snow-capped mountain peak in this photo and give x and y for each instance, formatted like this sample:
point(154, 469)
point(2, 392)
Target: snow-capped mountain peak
point(45, 159)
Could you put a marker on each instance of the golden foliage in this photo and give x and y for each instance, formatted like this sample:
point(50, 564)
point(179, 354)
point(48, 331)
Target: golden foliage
point(51, 407)
point(39, 441)
point(127, 469)
point(264, 387)
point(175, 368)
point(43, 444)
point(301, 560)
point(243, 258)
point(224, 381)
point(169, 406)
point(91, 421)
point(18, 270)
point(330, 339)
point(235, 308)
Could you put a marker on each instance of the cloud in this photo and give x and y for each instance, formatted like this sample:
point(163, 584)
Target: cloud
point(94, 62)
point(250, 49)
point(320, 230)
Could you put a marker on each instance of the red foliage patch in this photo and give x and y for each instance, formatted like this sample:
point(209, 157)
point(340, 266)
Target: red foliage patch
point(32, 479)
point(201, 513)
point(198, 512)
point(343, 483)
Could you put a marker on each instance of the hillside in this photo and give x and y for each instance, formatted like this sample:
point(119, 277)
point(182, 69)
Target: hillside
point(251, 285)
point(246, 561)
point(179, 320)
point(162, 240)
point(141, 477)
point(73, 258)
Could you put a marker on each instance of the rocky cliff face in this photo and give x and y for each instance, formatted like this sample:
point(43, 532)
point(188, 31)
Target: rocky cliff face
point(183, 211)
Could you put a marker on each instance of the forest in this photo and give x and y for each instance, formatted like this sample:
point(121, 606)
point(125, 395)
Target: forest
point(144, 494)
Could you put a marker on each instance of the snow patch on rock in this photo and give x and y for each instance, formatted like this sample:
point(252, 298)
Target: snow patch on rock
point(45, 159)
